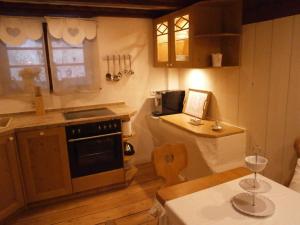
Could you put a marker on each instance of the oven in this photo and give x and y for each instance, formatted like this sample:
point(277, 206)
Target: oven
point(95, 147)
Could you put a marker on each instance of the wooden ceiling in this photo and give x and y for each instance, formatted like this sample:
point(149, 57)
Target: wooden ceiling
point(92, 8)
point(253, 10)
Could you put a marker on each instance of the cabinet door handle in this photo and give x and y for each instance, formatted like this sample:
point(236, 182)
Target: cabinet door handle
point(42, 133)
point(171, 64)
point(11, 138)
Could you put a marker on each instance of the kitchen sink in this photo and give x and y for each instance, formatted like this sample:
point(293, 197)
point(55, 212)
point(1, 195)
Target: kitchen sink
point(88, 113)
point(4, 122)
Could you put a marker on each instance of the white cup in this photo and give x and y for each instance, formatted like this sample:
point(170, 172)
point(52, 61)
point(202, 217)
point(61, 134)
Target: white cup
point(216, 59)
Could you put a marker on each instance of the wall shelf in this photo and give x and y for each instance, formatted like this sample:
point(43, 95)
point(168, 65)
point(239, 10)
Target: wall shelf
point(217, 35)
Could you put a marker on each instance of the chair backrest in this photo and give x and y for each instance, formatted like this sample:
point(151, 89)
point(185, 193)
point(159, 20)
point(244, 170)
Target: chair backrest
point(169, 160)
point(297, 146)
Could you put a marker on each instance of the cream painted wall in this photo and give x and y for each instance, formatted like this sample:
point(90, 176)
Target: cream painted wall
point(116, 36)
point(263, 94)
point(224, 85)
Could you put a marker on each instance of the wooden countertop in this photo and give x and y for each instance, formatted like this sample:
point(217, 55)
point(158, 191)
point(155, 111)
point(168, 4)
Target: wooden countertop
point(179, 190)
point(204, 130)
point(28, 121)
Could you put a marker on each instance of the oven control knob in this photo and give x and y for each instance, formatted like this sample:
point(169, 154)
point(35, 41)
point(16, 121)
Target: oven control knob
point(115, 125)
point(73, 131)
point(110, 126)
point(78, 131)
point(99, 127)
point(104, 127)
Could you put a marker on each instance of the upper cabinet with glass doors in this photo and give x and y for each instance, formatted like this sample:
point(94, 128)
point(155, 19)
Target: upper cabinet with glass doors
point(181, 48)
point(161, 36)
point(172, 40)
point(188, 37)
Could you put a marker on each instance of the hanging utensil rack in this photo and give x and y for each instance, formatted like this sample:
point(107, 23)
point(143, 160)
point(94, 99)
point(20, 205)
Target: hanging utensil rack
point(122, 66)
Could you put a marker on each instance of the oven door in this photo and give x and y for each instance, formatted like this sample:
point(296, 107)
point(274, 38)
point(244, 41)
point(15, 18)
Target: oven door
point(95, 154)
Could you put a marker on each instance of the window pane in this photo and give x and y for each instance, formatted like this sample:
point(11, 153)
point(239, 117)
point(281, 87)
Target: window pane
point(68, 56)
point(59, 43)
point(14, 74)
point(29, 44)
point(25, 57)
point(69, 72)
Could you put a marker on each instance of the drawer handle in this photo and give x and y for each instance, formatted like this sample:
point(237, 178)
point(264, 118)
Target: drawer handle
point(42, 133)
point(11, 138)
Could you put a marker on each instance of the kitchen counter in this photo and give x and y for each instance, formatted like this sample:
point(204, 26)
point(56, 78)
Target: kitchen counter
point(204, 130)
point(208, 151)
point(28, 121)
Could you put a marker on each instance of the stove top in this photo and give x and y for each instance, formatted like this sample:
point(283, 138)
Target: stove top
point(88, 113)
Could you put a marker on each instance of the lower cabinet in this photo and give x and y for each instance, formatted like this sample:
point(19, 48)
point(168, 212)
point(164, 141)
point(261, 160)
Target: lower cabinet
point(11, 194)
point(45, 164)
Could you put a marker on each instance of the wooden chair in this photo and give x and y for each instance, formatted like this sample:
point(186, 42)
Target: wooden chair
point(169, 160)
point(297, 146)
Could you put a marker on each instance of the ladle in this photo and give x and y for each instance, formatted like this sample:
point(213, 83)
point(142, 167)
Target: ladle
point(108, 74)
point(125, 71)
point(130, 72)
point(115, 76)
point(120, 69)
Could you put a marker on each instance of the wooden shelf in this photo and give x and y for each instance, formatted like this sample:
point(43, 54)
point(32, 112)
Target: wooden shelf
point(221, 67)
point(217, 35)
point(128, 157)
point(126, 138)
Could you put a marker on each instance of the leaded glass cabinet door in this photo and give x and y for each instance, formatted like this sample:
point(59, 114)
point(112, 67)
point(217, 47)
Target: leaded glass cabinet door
point(181, 39)
point(161, 42)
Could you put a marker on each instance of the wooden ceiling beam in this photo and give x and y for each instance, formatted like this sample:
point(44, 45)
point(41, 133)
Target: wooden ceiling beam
point(261, 10)
point(150, 4)
point(28, 9)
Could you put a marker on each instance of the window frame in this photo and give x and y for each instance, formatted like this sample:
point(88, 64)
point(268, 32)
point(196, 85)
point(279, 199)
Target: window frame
point(47, 54)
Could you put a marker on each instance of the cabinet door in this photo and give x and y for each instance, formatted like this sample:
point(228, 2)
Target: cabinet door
point(161, 42)
point(181, 40)
point(45, 164)
point(10, 181)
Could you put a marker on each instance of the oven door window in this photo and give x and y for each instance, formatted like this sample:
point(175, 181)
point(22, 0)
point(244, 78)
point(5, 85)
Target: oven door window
point(96, 155)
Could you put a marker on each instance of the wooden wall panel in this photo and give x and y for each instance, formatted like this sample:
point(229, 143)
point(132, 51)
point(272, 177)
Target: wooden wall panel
point(260, 83)
point(279, 81)
point(293, 106)
point(246, 76)
point(269, 97)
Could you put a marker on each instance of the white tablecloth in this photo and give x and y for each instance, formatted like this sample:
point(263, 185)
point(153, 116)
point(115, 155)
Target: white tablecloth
point(212, 206)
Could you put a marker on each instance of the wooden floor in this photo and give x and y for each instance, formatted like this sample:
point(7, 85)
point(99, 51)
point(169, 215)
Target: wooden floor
point(126, 206)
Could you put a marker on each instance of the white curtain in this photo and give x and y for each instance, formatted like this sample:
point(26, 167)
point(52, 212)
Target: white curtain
point(72, 31)
point(15, 30)
point(73, 55)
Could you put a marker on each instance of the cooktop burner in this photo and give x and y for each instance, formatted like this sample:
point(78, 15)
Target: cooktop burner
point(88, 113)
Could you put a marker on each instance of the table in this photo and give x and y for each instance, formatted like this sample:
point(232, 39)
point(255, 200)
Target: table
point(212, 206)
point(175, 191)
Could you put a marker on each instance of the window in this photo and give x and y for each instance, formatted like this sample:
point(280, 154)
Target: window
point(29, 54)
point(68, 60)
point(63, 67)
point(70, 69)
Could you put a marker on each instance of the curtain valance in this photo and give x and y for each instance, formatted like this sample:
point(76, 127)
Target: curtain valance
point(15, 30)
point(72, 31)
